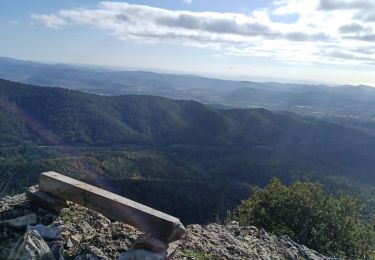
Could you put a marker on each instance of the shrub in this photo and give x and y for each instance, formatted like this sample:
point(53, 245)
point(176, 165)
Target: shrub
point(310, 215)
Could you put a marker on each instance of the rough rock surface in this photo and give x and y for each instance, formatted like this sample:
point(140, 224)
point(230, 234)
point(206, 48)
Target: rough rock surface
point(83, 234)
point(78, 233)
point(31, 246)
point(234, 242)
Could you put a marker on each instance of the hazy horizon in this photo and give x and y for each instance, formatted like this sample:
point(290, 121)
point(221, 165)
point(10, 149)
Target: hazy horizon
point(187, 73)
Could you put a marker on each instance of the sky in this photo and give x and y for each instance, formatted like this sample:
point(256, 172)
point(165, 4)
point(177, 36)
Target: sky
point(321, 41)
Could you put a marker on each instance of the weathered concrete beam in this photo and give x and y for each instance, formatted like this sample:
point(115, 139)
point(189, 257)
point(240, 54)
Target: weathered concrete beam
point(115, 207)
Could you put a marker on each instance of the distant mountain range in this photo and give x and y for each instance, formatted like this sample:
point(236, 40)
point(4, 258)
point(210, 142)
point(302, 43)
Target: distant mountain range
point(225, 93)
point(183, 153)
point(77, 118)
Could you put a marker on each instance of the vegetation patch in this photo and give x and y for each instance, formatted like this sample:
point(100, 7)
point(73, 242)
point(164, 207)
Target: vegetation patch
point(307, 213)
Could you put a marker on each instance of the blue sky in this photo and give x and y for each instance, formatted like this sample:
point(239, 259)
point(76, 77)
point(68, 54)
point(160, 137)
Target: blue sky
point(326, 41)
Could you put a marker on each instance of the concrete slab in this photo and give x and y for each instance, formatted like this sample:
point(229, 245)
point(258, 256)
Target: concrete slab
point(113, 206)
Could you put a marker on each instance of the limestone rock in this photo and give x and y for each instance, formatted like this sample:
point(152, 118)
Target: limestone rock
point(111, 238)
point(90, 253)
point(73, 241)
point(69, 243)
point(31, 247)
point(76, 239)
point(9, 201)
point(234, 242)
point(86, 234)
point(295, 249)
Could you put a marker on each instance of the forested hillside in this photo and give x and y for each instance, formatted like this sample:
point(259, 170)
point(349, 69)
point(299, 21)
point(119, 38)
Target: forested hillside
point(176, 156)
point(348, 105)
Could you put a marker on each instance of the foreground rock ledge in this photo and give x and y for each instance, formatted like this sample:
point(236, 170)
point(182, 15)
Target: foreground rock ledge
point(113, 206)
point(86, 234)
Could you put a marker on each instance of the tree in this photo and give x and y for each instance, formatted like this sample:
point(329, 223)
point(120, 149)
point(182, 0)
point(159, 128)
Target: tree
point(310, 215)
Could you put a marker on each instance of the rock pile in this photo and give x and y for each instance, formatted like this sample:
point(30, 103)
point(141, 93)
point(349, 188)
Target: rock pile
point(78, 233)
point(74, 233)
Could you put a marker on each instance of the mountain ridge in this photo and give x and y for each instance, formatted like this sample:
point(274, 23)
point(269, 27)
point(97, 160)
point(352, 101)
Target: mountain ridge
point(183, 152)
point(142, 117)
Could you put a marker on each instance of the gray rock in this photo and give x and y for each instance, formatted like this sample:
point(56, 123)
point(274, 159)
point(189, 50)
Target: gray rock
point(91, 253)
point(76, 239)
point(86, 230)
point(21, 222)
point(47, 233)
point(31, 247)
point(69, 243)
point(96, 252)
point(234, 242)
point(110, 237)
point(73, 241)
point(88, 235)
point(8, 202)
point(295, 249)
point(141, 254)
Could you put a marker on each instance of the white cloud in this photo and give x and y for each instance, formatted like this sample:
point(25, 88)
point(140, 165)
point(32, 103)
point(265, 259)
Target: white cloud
point(51, 21)
point(325, 31)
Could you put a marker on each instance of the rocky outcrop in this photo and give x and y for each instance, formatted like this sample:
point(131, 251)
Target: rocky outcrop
point(79, 233)
point(234, 242)
point(74, 232)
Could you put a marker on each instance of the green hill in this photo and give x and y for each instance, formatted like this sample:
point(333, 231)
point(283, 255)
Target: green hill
point(176, 156)
point(77, 118)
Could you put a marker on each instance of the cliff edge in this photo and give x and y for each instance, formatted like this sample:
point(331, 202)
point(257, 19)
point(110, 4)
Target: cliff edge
point(75, 232)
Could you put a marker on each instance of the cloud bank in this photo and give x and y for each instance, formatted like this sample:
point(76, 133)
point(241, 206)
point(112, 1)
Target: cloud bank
point(325, 31)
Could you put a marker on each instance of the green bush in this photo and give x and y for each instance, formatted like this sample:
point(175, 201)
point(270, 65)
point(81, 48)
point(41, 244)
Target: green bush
point(310, 215)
